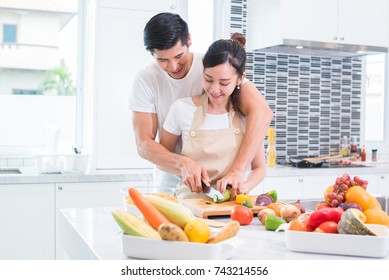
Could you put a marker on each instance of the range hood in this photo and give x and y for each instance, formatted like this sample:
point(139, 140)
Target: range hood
point(312, 48)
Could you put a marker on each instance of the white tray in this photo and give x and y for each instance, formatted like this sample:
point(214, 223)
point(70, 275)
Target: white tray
point(340, 244)
point(145, 248)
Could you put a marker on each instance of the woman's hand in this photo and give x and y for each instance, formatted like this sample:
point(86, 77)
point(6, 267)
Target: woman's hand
point(233, 179)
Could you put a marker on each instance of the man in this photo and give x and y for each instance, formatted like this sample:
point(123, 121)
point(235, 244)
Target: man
point(177, 73)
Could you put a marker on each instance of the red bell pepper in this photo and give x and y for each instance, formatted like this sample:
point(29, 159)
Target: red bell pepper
point(323, 215)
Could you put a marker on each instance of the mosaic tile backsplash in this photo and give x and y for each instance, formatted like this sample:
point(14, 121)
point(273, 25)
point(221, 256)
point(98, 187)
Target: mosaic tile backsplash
point(315, 100)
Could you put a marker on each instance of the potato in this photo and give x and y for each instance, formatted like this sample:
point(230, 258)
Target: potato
point(226, 232)
point(263, 213)
point(172, 232)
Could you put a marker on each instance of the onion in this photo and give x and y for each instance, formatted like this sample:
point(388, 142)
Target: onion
point(263, 200)
point(289, 212)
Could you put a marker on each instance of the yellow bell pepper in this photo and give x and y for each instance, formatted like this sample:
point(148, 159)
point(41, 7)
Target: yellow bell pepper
point(242, 197)
point(359, 195)
point(376, 216)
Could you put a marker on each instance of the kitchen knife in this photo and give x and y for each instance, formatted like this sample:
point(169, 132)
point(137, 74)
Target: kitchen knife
point(211, 192)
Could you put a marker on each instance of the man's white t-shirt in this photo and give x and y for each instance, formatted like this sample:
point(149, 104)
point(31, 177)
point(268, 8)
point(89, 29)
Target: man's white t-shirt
point(180, 118)
point(154, 91)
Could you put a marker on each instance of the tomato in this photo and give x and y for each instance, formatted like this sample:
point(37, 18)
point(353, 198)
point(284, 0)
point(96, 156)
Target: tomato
point(322, 205)
point(298, 225)
point(242, 214)
point(327, 227)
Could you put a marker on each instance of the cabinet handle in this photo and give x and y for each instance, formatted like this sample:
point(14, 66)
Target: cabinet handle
point(60, 188)
point(301, 180)
point(382, 177)
point(335, 38)
point(172, 7)
point(341, 38)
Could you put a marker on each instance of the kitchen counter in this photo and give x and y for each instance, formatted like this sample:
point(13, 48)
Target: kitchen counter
point(31, 176)
point(92, 233)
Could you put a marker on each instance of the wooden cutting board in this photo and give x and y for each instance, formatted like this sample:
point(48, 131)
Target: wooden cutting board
point(205, 208)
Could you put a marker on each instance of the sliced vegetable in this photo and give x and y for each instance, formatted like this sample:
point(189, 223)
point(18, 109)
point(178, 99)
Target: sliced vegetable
point(175, 212)
point(263, 200)
point(272, 222)
point(132, 225)
point(247, 203)
point(352, 222)
point(227, 196)
point(322, 215)
point(273, 195)
point(226, 232)
point(153, 216)
point(263, 213)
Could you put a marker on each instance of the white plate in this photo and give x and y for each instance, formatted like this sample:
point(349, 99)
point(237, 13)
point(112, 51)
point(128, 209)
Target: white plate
point(145, 248)
point(340, 244)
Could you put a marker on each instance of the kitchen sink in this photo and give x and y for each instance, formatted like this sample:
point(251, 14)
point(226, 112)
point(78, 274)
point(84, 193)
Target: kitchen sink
point(9, 171)
point(310, 204)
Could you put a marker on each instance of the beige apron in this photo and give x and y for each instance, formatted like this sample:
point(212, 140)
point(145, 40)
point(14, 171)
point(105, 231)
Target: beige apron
point(216, 149)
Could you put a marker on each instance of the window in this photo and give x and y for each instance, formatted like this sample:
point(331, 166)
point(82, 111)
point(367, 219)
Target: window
point(38, 75)
point(9, 33)
point(374, 116)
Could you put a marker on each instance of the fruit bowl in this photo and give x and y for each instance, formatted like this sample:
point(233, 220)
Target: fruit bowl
point(340, 244)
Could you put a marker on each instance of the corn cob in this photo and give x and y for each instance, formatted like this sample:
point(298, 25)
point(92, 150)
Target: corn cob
point(132, 225)
point(175, 212)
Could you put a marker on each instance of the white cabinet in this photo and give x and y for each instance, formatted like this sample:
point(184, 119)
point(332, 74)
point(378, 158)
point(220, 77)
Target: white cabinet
point(354, 22)
point(85, 195)
point(117, 52)
point(288, 188)
point(27, 221)
point(383, 184)
point(314, 186)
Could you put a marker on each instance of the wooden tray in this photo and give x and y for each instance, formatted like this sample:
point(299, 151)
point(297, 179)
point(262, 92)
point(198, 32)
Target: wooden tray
point(205, 208)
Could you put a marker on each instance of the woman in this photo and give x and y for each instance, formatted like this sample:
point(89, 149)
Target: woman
point(211, 125)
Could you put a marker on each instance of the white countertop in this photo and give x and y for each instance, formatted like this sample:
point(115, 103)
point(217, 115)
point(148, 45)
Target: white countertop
point(31, 176)
point(92, 233)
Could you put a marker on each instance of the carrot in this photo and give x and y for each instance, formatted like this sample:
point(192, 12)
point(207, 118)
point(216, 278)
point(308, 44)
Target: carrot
point(149, 211)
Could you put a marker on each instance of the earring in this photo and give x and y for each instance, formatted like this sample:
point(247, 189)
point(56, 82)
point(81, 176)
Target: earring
point(238, 86)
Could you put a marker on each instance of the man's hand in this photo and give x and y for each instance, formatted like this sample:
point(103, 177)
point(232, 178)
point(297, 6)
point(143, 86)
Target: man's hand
point(193, 174)
point(234, 179)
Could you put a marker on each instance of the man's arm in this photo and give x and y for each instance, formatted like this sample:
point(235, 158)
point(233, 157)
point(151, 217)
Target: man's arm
point(145, 128)
point(259, 116)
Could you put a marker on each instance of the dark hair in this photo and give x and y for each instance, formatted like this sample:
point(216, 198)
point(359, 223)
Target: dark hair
point(164, 30)
point(229, 51)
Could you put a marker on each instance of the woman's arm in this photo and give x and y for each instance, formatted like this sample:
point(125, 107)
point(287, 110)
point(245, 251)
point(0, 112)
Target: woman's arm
point(169, 140)
point(259, 116)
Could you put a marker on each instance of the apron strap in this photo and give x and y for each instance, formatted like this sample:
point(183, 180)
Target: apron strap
point(201, 112)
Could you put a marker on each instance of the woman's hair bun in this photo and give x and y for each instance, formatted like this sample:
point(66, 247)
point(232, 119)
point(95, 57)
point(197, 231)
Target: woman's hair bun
point(239, 39)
